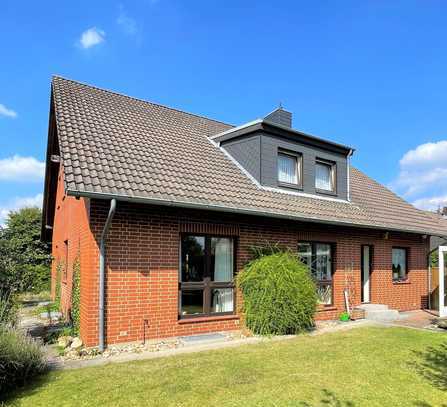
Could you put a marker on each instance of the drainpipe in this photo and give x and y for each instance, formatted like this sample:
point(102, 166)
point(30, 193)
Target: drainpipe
point(102, 262)
point(349, 175)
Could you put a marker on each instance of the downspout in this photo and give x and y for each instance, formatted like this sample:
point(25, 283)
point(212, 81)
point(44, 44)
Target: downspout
point(102, 262)
point(349, 175)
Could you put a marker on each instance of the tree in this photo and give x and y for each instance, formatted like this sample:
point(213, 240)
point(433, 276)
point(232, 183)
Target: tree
point(24, 258)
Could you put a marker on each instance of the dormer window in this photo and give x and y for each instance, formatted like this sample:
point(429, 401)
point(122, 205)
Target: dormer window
point(289, 168)
point(324, 176)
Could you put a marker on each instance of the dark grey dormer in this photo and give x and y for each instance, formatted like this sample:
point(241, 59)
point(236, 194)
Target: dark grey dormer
point(278, 156)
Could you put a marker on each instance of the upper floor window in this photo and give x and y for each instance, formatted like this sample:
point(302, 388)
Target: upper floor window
point(289, 168)
point(325, 176)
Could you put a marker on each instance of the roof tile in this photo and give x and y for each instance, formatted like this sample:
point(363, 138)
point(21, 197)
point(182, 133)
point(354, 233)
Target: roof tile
point(134, 148)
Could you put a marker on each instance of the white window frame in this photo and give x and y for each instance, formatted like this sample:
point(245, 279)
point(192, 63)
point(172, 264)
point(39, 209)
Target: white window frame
point(332, 167)
point(298, 168)
point(406, 252)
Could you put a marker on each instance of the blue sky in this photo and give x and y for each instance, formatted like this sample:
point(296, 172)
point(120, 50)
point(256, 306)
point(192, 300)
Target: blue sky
point(371, 74)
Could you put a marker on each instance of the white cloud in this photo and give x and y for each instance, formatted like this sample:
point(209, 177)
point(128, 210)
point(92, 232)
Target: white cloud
point(19, 168)
point(91, 37)
point(4, 111)
point(18, 203)
point(423, 175)
point(128, 24)
point(429, 155)
point(431, 204)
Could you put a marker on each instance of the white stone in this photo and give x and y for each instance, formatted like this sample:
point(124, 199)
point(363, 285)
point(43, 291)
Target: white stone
point(76, 344)
point(64, 341)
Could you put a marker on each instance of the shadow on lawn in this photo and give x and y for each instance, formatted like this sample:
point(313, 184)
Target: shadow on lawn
point(329, 399)
point(433, 365)
point(34, 386)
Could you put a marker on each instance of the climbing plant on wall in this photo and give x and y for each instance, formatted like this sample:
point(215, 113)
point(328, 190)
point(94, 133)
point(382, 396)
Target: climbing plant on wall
point(76, 295)
point(57, 297)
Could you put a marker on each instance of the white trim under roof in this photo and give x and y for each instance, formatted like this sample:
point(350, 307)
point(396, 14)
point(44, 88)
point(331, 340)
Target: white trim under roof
point(242, 126)
point(285, 128)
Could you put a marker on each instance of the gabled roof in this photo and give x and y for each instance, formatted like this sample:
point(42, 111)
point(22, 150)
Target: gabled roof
point(113, 145)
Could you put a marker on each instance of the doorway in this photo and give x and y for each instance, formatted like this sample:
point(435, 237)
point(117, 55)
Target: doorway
point(366, 272)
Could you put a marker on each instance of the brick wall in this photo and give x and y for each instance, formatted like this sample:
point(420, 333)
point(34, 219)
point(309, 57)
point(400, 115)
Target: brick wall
point(72, 238)
point(143, 257)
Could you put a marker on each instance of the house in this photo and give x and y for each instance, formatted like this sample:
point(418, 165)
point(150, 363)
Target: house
point(160, 208)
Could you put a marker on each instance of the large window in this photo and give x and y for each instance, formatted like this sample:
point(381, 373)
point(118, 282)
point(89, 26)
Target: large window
point(318, 257)
point(289, 168)
point(400, 258)
point(325, 176)
point(206, 281)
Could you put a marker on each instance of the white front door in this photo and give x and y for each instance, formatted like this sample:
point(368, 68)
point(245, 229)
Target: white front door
point(366, 273)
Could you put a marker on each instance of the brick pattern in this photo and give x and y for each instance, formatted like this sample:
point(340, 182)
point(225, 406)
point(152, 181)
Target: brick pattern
point(143, 256)
point(71, 224)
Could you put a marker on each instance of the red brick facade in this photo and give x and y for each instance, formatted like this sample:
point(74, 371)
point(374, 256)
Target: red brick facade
point(143, 264)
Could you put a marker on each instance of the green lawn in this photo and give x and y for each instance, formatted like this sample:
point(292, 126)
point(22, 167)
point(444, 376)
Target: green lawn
point(361, 367)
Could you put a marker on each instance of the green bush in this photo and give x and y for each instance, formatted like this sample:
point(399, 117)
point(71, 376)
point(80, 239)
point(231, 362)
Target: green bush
point(21, 358)
point(266, 249)
point(39, 276)
point(8, 310)
point(279, 295)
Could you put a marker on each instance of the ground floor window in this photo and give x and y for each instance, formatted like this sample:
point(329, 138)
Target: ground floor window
point(206, 275)
point(400, 259)
point(318, 257)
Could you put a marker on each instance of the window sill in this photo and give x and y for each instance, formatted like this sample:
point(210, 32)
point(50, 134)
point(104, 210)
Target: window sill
point(296, 187)
point(216, 318)
point(329, 307)
point(398, 282)
point(325, 192)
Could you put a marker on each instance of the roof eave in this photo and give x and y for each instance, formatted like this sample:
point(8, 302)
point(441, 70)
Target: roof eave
point(243, 211)
point(279, 130)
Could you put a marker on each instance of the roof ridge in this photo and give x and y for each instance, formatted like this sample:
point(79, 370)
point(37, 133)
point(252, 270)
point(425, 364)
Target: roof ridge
point(139, 99)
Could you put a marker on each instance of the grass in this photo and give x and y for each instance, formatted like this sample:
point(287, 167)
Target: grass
point(45, 309)
point(29, 296)
point(361, 367)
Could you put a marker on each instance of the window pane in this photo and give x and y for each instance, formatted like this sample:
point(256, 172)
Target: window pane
point(399, 264)
point(221, 259)
point(318, 257)
point(192, 302)
point(323, 177)
point(222, 300)
point(323, 266)
point(287, 169)
point(305, 253)
point(193, 258)
point(324, 293)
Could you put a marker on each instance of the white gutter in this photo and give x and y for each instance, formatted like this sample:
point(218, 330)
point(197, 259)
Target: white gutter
point(348, 196)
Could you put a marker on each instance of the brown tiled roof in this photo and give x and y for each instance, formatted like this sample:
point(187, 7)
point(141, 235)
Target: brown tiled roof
point(115, 145)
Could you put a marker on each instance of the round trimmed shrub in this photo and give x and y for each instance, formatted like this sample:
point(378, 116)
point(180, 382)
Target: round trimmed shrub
point(279, 295)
